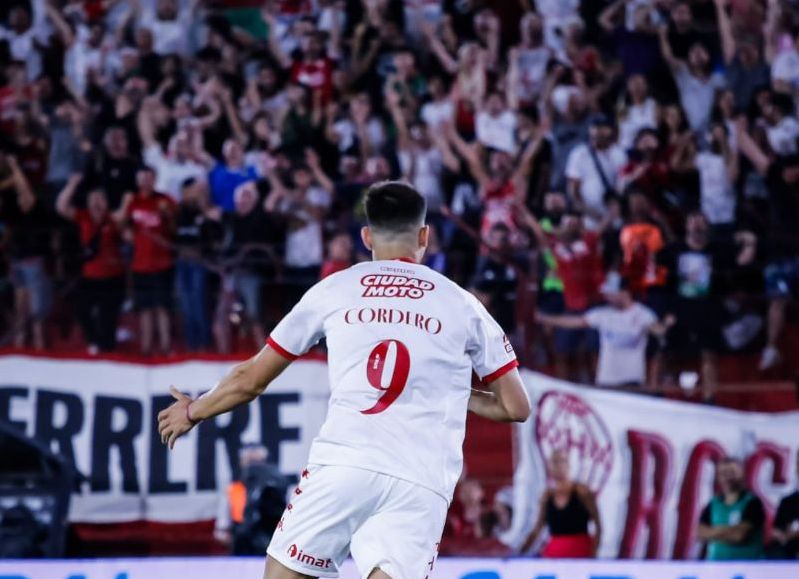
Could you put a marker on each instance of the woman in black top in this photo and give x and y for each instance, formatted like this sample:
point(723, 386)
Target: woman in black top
point(566, 509)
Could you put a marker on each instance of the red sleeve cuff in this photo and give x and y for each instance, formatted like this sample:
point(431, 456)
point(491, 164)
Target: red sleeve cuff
point(499, 372)
point(280, 349)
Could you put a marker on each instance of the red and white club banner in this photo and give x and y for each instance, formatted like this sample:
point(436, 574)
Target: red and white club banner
point(651, 461)
point(102, 415)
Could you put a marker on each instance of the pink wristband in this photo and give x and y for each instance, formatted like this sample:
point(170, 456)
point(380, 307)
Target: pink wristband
point(188, 415)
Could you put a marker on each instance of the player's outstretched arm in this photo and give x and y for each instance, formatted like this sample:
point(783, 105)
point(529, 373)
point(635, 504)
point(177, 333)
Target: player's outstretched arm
point(505, 400)
point(244, 383)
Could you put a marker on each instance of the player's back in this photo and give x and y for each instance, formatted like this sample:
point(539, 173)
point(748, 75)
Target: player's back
point(402, 341)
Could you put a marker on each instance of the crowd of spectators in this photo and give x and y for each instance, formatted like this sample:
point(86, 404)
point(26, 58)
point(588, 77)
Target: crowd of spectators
point(202, 161)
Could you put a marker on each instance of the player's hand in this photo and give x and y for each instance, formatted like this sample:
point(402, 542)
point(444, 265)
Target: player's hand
point(174, 421)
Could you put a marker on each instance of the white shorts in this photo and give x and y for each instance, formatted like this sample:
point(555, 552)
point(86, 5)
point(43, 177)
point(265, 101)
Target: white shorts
point(385, 523)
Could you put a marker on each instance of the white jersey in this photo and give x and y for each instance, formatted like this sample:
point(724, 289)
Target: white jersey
point(402, 341)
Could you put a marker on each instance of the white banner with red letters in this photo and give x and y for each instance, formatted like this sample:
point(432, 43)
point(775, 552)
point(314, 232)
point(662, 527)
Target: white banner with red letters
point(650, 460)
point(102, 415)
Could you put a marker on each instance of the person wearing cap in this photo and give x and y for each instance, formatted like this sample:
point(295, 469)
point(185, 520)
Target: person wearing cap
point(624, 326)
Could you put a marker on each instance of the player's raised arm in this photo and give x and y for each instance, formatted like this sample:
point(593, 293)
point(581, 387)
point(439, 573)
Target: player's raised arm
point(294, 335)
point(243, 384)
point(504, 401)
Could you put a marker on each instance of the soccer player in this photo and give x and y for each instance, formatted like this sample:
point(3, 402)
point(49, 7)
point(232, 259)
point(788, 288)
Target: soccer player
point(402, 341)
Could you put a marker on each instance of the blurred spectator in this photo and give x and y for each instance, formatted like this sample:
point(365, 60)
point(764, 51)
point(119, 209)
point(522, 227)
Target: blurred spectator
point(169, 21)
point(502, 184)
point(593, 171)
point(472, 526)
point(304, 205)
point(420, 160)
point(648, 170)
point(103, 272)
point(637, 45)
point(359, 131)
point(253, 504)
point(698, 272)
point(339, 255)
point(579, 265)
point(718, 171)
point(500, 518)
point(566, 510)
point(25, 30)
point(150, 217)
point(69, 144)
point(785, 532)
point(29, 247)
point(226, 176)
point(732, 522)
point(496, 277)
point(746, 71)
point(435, 257)
point(782, 128)
point(781, 273)
point(495, 124)
point(246, 257)
point(196, 231)
point(640, 111)
point(529, 60)
point(695, 80)
point(570, 122)
point(184, 160)
point(624, 326)
point(640, 240)
point(682, 31)
point(114, 168)
point(465, 520)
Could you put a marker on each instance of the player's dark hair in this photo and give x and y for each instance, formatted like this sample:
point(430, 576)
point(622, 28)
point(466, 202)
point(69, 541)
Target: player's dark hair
point(394, 207)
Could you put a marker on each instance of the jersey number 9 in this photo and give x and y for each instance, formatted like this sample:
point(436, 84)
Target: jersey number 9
point(375, 367)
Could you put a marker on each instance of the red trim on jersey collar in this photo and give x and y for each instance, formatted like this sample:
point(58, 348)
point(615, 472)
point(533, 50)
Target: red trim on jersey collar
point(406, 260)
point(498, 373)
point(280, 349)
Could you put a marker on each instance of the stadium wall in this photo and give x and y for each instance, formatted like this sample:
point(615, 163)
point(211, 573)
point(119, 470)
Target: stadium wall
point(650, 460)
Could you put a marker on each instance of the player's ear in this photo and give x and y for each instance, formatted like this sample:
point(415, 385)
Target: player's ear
point(366, 237)
point(424, 236)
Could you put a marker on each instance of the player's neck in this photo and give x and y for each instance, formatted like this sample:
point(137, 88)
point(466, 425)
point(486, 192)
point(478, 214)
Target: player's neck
point(397, 252)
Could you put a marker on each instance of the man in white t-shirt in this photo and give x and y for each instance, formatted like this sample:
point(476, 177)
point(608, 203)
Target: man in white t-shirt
point(170, 24)
point(182, 162)
point(495, 125)
point(718, 171)
point(782, 130)
point(592, 169)
point(26, 29)
point(402, 342)
point(785, 68)
point(624, 326)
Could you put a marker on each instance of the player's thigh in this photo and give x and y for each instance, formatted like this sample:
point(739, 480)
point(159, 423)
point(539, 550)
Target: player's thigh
point(276, 570)
point(328, 505)
point(401, 538)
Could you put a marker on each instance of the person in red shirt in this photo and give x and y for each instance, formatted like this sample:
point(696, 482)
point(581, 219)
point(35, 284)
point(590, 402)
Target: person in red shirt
point(339, 255)
point(103, 272)
point(313, 69)
point(578, 256)
point(503, 182)
point(150, 217)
